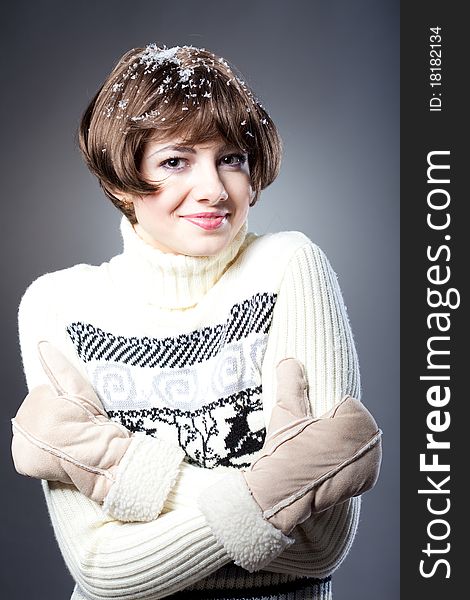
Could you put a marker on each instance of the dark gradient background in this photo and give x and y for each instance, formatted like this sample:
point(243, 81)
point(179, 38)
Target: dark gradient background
point(327, 72)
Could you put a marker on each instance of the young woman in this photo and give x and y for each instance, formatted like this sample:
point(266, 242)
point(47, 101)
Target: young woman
point(153, 376)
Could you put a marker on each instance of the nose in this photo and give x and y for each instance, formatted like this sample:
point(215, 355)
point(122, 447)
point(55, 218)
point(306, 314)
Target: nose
point(208, 186)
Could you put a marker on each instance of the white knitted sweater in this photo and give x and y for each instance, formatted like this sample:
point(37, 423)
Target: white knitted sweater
point(184, 349)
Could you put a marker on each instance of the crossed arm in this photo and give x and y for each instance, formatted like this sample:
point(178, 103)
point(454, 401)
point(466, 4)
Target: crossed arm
point(154, 559)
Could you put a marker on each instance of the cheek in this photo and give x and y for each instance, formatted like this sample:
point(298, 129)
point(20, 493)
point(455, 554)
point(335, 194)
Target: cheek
point(238, 186)
point(147, 212)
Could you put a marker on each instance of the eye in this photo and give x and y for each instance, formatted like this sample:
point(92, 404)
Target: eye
point(233, 160)
point(174, 163)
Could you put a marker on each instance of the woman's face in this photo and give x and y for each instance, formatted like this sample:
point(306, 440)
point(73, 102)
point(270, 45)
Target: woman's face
point(204, 197)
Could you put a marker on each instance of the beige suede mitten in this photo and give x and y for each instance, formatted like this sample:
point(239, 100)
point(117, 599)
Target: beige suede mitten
point(62, 433)
point(310, 464)
point(307, 464)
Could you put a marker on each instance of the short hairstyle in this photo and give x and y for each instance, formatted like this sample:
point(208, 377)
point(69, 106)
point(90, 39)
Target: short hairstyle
point(164, 92)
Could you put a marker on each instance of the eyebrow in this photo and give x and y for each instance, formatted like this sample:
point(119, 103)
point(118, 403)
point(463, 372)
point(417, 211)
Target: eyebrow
point(177, 148)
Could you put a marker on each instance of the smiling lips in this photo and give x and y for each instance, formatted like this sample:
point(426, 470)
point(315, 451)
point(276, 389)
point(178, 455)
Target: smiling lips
point(207, 221)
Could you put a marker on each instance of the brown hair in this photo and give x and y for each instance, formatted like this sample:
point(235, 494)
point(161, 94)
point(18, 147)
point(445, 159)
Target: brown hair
point(181, 91)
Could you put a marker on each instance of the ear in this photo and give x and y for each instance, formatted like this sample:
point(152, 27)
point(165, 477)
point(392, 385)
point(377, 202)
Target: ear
point(124, 197)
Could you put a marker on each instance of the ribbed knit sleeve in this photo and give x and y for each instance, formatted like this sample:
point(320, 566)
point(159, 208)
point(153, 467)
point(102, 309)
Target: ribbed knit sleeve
point(112, 559)
point(310, 323)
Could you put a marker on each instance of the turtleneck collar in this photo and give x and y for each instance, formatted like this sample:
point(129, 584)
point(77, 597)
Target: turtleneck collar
point(172, 280)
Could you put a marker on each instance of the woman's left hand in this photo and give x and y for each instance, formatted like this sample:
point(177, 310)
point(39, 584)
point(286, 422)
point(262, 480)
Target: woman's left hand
point(62, 433)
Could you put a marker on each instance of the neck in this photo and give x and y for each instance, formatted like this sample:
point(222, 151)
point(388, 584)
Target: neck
point(172, 280)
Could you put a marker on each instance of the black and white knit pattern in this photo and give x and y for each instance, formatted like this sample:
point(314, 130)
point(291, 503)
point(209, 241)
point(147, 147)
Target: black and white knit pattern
point(201, 390)
point(223, 433)
point(250, 316)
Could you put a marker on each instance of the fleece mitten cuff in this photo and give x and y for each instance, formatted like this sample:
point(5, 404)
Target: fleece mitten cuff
point(238, 523)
